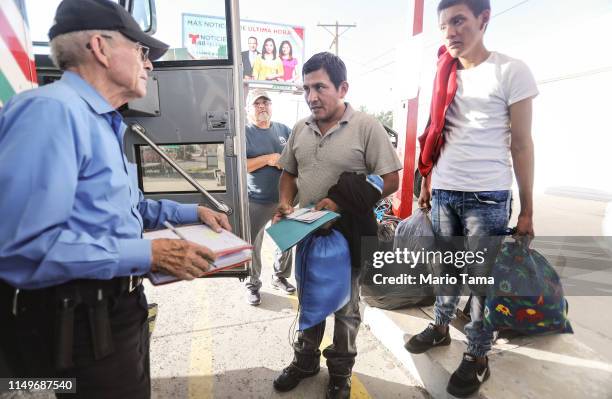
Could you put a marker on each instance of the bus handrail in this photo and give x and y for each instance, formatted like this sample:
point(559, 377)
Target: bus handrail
point(140, 131)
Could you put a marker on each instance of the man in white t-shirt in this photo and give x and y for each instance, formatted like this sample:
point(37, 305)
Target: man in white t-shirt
point(487, 133)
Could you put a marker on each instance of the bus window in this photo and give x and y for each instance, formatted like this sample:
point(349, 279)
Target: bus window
point(142, 13)
point(204, 162)
point(195, 30)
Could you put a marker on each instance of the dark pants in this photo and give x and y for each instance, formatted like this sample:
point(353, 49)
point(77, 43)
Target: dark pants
point(341, 353)
point(260, 214)
point(27, 343)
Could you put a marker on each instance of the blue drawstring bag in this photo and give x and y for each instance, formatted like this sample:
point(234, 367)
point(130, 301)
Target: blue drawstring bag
point(323, 274)
point(527, 295)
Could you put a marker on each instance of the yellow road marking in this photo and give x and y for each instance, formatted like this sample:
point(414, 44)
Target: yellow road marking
point(200, 358)
point(358, 390)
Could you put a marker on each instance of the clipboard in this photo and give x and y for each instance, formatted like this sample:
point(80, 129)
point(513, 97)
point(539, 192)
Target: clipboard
point(287, 232)
point(224, 262)
point(231, 250)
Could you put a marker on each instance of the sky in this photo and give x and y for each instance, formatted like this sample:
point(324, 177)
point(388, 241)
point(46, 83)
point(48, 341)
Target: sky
point(368, 50)
point(562, 41)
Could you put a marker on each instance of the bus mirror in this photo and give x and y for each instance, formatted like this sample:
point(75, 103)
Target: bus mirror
point(143, 12)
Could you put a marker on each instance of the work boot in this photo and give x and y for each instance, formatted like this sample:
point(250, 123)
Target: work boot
point(281, 283)
point(291, 377)
point(427, 339)
point(253, 296)
point(302, 366)
point(338, 388)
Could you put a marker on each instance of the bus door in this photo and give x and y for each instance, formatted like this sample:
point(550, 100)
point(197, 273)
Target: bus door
point(193, 110)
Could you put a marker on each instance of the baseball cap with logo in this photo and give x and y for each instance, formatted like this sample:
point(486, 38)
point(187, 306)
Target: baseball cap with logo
point(257, 94)
point(79, 15)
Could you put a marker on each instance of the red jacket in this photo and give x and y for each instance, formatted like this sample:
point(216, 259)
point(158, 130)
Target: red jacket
point(445, 87)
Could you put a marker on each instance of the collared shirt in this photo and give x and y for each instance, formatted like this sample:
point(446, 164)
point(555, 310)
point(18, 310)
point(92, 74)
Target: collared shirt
point(358, 143)
point(70, 206)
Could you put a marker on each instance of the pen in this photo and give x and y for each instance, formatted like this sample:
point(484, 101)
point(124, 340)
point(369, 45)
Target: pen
point(174, 230)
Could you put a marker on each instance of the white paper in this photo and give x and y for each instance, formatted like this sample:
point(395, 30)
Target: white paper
point(219, 243)
point(307, 215)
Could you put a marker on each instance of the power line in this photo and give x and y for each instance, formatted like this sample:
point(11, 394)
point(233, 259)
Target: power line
point(379, 56)
point(576, 75)
point(511, 8)
point(377, 68)
point(336, 35)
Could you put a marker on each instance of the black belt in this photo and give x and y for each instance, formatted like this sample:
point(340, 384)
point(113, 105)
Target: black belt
point(107, 288)
point(64, 298)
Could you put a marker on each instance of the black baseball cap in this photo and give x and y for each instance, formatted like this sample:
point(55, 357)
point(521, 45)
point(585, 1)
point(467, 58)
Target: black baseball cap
point(78, 15)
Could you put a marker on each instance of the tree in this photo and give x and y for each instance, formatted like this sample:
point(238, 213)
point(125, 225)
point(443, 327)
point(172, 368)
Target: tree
point(385, 117)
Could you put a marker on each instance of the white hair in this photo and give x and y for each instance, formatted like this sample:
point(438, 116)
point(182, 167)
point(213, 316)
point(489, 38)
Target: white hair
point(69, 49)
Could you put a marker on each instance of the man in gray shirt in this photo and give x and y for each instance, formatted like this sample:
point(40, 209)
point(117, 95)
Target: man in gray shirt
point(265, 141)
point(333, 140)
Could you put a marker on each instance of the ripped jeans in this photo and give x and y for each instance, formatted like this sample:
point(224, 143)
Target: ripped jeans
point(480, 220)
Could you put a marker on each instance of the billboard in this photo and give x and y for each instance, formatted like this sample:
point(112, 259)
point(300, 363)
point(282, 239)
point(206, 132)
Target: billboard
point(205, 37)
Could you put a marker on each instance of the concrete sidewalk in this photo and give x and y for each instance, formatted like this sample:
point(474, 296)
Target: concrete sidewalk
point(554, 366)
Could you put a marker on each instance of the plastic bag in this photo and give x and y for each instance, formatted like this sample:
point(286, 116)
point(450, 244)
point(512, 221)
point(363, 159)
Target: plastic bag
point(414, 234)
point(527, 296)
point(323, 274)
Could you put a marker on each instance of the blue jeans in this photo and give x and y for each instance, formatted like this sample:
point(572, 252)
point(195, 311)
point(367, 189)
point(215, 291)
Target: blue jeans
point(482, 217)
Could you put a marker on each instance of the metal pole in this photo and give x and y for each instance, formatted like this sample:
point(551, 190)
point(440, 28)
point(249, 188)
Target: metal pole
point(238, 123)
point(337, 34)
point(406, 191)
point(141, 132)
point(336, 39)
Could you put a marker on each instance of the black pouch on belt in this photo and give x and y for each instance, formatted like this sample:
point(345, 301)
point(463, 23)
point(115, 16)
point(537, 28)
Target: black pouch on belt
point(99, 322)
point(64, 329)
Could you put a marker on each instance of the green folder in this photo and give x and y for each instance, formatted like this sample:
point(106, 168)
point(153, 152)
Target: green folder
point(288, 232)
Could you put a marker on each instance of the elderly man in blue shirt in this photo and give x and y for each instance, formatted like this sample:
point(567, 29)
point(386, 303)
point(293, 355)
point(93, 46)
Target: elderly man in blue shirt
point(71, 246)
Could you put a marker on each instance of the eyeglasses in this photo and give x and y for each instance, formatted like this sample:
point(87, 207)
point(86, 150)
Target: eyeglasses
point(143, 50)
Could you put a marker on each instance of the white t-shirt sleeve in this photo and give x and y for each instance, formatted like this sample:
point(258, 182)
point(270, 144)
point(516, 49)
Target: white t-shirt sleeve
point(519, 83)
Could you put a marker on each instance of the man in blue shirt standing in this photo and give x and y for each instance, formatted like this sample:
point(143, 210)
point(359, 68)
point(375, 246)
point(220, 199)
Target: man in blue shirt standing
point(71, 246)
point(265, 141)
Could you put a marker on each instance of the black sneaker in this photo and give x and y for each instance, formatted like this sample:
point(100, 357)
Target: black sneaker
point(427, 339)
point(253, 296)
point(291, 377)
point(281, 283)
point(468, 377)
point(338, 388)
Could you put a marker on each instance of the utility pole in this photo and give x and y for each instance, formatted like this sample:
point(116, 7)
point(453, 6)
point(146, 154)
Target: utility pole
point(336, 35)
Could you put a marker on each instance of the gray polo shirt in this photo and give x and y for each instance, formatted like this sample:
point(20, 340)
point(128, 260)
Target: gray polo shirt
point(358, 143)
